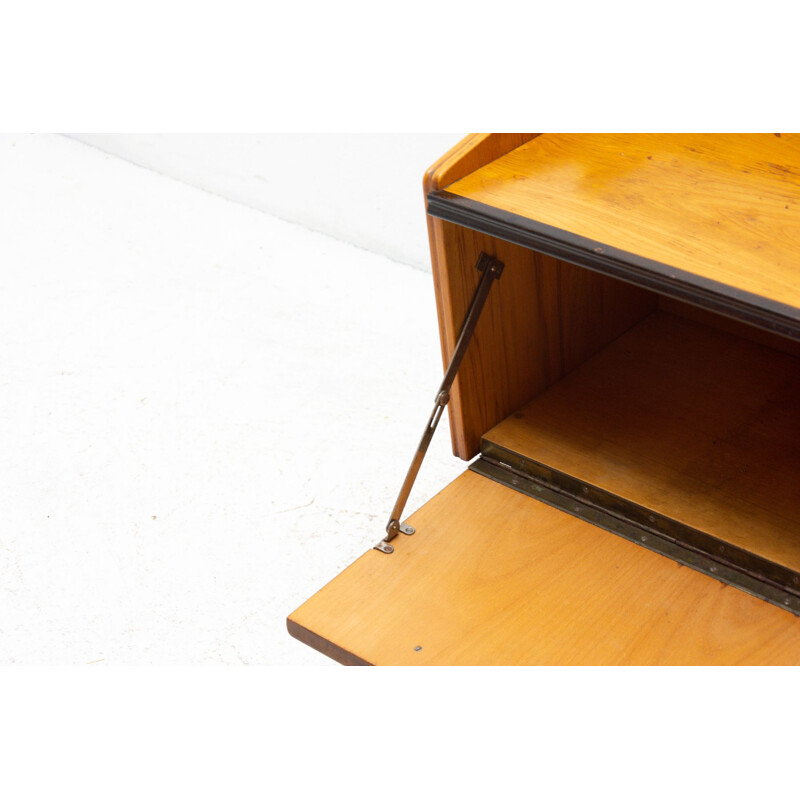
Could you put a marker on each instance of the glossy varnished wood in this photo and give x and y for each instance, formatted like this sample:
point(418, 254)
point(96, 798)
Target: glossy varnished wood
point(495, 577)
point(689, 421)
point(724, 208)
point(471, 153)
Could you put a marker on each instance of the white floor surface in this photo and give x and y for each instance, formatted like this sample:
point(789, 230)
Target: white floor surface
point(205, 413)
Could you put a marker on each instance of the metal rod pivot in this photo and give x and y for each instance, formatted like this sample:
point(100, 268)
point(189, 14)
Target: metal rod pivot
point(491, 269)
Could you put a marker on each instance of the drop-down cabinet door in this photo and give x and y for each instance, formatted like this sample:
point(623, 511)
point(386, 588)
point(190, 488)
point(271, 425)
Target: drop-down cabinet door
point(493, 576)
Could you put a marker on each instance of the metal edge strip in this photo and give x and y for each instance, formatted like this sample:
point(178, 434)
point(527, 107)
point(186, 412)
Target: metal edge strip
point(720, 551)
point(754, 309)
point(648, 537)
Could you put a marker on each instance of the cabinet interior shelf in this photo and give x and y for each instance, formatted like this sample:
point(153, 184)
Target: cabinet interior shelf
point(692, 422)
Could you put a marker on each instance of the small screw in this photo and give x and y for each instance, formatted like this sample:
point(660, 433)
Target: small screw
point(418, 648)
point(644, 538)
point(651, 518)
point(713, 569)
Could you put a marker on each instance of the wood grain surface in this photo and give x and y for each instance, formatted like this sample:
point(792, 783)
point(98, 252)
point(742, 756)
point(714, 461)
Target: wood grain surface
point(495, 577)
point(725, 207)
point(542, 319)
point(737, 328)
point(472, 152)
point(683, 419)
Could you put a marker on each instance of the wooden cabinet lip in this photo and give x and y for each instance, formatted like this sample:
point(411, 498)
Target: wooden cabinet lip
point(722, 298)
point(323, 646)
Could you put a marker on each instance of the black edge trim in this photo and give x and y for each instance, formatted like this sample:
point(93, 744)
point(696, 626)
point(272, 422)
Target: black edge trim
point(327, 648)
point(652, 538)
point(719, 297)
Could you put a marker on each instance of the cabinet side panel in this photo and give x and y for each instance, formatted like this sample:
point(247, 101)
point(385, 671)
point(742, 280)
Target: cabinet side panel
point(543, 318)
point(471, 153)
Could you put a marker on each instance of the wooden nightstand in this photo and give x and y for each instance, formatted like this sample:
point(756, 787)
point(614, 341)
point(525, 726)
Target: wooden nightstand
point(632, 395)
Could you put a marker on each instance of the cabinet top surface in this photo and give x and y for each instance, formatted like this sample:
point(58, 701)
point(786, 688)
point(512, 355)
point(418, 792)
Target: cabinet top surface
point(721, 208)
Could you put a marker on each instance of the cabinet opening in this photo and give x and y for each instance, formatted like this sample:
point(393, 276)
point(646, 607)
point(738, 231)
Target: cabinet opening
point(687, 415)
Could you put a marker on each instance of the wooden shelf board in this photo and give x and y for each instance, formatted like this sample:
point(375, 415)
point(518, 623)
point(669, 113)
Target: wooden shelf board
point(689, 421)
point(700, 216)
point(495, 577)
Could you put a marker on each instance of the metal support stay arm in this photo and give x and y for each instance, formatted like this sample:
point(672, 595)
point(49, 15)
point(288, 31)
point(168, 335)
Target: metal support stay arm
point(491, 269)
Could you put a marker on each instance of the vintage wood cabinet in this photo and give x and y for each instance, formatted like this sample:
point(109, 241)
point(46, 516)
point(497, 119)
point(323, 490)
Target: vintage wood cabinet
point(630, 404)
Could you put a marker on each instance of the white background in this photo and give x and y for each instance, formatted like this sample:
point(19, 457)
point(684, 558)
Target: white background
point(207, 411)
point(365, 189)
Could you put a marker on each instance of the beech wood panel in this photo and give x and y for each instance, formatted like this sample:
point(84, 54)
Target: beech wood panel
point(542, 319)
point(725, 207)
point(495, 577)
point(686, 420)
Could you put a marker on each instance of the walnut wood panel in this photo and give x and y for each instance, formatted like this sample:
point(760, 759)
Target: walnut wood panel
point(683, 419)
point(542, 319)
point(495, 577)
point(724, 207)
